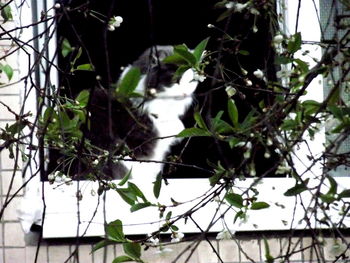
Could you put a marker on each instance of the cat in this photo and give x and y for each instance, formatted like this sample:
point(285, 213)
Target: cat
point(149, 130)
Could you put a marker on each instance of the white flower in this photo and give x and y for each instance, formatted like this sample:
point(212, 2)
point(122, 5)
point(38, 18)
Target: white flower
point(284, 73)
point(267, 155)
point(252, 172)
point(225, 234)
point(255, 29)
point(199, 77)
point(283, 169)
point(254, 11)
point(51, 177)
point(239, 7)
point(244, 72)
point(259, 74)
point(116, 21)
point(278, 39)
point(111, 28)
point(246, 154)
point(210, 26)
point(176, 237)
point(248, 82)
point(57, 6)
point(269, 141)
point(230, 91)
point(229, 5)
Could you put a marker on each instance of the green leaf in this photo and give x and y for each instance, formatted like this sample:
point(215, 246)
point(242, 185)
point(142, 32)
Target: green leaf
point(7, 69)
point(244, 52)
point(181, 70)
point(122, 259)
point(295, 190)
point(239, 214)
point(66, 48)
point(225, 14)
point(294, 43)
point(199, 49)
point(199, 120)
point(135, 190)
point(214, 179)
point(85, 67)
point(132, 249)
point(125, 178)
point(232, 112)
point(283, 60)
point(139, 206)
point(183, 51)
point(6, 12)
point(333, 186)
point(327, 198)
point(168, 216)
point(303, 66)
point(344, 194)
point(83, 98)
point(102, 244)
point(175, 59)
point(193, 132)
point(114, 230)
point(259, 205)
point(157, 185)
point(235, 200)
point(126, 195)
point(174, 228)
point(129, 82)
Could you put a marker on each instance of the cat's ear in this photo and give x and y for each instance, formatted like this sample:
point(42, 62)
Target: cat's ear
point(152, 57)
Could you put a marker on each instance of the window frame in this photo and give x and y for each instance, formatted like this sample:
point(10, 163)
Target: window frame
point(65, 216)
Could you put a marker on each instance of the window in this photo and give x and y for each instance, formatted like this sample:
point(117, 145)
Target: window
point(251, 59)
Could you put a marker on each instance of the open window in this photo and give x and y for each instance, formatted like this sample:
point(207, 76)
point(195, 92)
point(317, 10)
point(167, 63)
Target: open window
point(90, 56)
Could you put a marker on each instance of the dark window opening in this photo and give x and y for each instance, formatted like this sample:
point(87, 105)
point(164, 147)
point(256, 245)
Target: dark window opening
point(156, 22)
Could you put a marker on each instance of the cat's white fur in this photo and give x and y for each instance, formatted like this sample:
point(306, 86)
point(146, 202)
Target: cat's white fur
point(165, 111)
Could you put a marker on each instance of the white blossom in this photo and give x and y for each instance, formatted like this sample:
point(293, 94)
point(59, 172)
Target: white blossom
point(210, 26)
point(246, 154)
point(267, 155)
point(225, 234)
point(57, 6)
point(283, 169)
point(230, 91)
point(176, 237)
point(114, 22)
point(239, 7)
point(254, 11)
point(259, 74)
point(229, 5)
point(248, 82)
point(255, 29)
point(111, 28)
point(244, 72)
point(269, 141)
point(252, 172)
point(51, 177)
point(199, 77)
point(278, 39)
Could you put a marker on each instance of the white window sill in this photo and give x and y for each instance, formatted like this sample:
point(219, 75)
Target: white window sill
point(61, 218)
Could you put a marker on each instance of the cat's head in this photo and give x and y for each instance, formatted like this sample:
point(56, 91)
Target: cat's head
point(158, 77)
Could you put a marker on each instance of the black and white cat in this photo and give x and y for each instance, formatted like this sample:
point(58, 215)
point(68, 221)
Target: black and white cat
point(150, 131)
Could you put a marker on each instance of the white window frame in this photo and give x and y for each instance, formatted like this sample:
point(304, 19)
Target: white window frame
point(61, 215)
